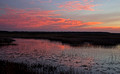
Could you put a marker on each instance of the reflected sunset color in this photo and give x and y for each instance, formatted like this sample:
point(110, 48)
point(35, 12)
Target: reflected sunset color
point(59, 36)
point(82, 58)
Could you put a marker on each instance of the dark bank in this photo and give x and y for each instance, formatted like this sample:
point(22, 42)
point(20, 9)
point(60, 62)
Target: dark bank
point(71, 38)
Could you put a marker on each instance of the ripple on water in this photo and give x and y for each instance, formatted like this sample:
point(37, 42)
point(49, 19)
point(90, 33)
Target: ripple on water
point(89, 59)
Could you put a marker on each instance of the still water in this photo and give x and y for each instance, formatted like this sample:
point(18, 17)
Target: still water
point(96, 59)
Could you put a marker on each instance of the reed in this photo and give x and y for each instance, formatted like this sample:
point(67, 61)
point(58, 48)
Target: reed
point(7, 67)
point(71, 38)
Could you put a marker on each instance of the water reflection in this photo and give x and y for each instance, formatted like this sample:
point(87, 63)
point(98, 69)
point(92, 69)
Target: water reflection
point(87, 57)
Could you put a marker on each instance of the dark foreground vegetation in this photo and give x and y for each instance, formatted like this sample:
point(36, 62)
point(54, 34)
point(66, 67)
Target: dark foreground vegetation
point(6, 41)
point(21, 68)
point(71, 38)
point(14, 68)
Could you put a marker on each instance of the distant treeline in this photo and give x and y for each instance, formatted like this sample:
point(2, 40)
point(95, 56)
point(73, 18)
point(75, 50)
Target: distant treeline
point(60, 32)
point(72, 38)
point(48, 32)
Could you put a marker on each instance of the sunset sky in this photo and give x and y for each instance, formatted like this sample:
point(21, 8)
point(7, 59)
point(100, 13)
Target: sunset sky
point(60, 15)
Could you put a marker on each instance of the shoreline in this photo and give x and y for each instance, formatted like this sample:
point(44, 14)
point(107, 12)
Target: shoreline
point(6, 41)
point(71, 38)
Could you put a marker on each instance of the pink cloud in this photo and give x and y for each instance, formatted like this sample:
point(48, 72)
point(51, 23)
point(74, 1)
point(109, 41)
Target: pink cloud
point(78, 5)
point(29, 11)
point(32, 18)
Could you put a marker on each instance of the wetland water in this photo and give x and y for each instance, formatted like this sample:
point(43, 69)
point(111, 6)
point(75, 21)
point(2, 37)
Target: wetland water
point(87, 58)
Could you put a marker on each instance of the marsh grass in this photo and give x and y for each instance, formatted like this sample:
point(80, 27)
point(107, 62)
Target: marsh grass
point(7, 67)
point(71, 38)
point(15, 68)
point(6, 41)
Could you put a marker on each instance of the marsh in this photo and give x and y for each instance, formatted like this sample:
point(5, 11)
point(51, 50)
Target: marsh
point(47, 57)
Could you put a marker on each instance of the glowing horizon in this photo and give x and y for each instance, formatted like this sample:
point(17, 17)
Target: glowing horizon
point(52, 15)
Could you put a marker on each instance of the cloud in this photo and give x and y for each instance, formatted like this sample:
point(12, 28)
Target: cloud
point(75, 23)
point(103, 29)
point(29, 11)
point(78, 5)
point(34, 18)
point(91, 29)
point(93, 23)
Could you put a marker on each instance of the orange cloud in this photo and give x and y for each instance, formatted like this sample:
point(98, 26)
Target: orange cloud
point(32, 18)
point(93, 23)
point(99, 29)
point(105, 28)
point(76, 23)
point(78, 5)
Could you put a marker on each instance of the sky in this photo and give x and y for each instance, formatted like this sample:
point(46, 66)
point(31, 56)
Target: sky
point(60, 15)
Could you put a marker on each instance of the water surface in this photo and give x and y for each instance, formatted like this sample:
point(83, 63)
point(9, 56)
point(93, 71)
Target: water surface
point(95, 59)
